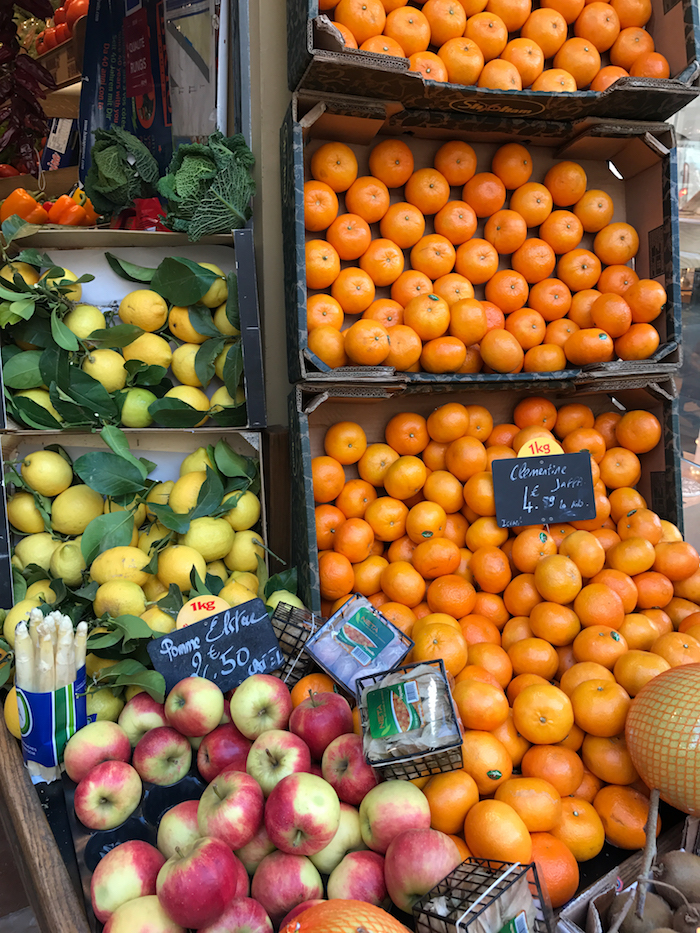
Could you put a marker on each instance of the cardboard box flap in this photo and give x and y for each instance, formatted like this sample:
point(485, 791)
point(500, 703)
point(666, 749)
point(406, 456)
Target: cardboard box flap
point(629, 155)
point(328, 38)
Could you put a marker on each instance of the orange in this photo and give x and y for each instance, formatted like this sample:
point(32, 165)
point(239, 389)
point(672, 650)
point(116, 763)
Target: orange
point(436, 557)
point(502, 435)
point(456, 160)
point(639, 343)
point(453, 287)
point(558, 579)
point(580, 58)
point(581, 673)
point(456, 222)
point(401, 548)
point(547, 357)
point(556, 866)
point(595, 210)
point(368, 575)
point(632, 556)
point(589, 787)
point(335, 163)
point(448, 422)
point(551, 298)
point(451, 594)
point(328, 519)
point(438, 640)
point(527, 58)
point(401, 616)
point(447, 20)
point(410, 28)
point(530, 547)
point(350, 236)
point(476, 260)
point(607, 76)
point(585, 439)
point(485, 193)
point(493, 658)
point(312, 683)
point(480, 422)
point(547, 28)
point(434, 255)
point(624, 813)
point(569, 9)
point(491, 569)
point(425, 520)
point(557, 624)
point(450, 796)
point(385, 311)
point(364, 18)
point(579, 268)
point(510, 738)
point(468, 321)
point(508, 290)
point(562, 767)
point(354, 290)
point(589, 345)
point(638, 431)
point(636, 668)
point(323, 310)
point(598, 604)
point(326, 342)
point(640, 632)
point(506, 230)
point(616, 243)
point(464, 62)
point(555, 80)
point(405, 477)
point(493, 830)
point(646, 299)
point(512, 163)
point(328, 478)
point(407, 433)
point(566, 182)
point(456, 529)
point(617, 279)
point(620, 467)
point(383, 45)
point(367, 342)
point(533, 202)
point(519, 683)
point(335, 574)
point(520, 596)
point(537, 802)
point(374, 463)
point(478, 630)
point(678, 609)
point(383, 261)
point(542, 713)
point(480, 706)
point(584, 548)
point(624, 500)
point(474, 672)
point(600, 707)
point(391, 161)
point(632, 12)
point(403, 584)
point(428, 315)
point(631, 43)
point(348, 37)
point(535, 410)
point(581, 304)
point(655, 590)
point(429, 65)
point(574, 739)
point(405, 348)
point(601, 644)
point(489, 32)
point(354, 539)
point(562, 231)
point(677, 648)
point(402, 223)
point(427, 189)
point(599, 23)
point(320, 205)
point(345, 441)
point(612, 313)
point(322, 264)
point(650, 65)
point(445, 489)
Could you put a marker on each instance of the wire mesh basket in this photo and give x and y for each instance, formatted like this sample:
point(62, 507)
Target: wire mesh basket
point(293, 626)
point(485, 896)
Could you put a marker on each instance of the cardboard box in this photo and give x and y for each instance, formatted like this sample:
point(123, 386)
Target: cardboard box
point(317, 60)
point(634, 162)
point(312, 411)
point(65, 61)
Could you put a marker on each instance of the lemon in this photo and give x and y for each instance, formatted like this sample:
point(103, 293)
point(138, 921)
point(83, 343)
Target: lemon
point(154, 589)
point(107, 366)
point(124, 563)
point(245, 512)
point(212, 537)
point(218, 290)
point(247, 579)
point(139, 513)
point(183, 495)
point(193, 396)
point(235, 593)
point(144, 308)
point(175, 564)
point(151, 349)
point(183, 364)
point(73, 510)
point(40, 397)
point(18, 612)
point(119, 597)
point(147, 539)
point(223, 324)
point(12, 712)
point(47, 472)
point(159, 495)
point(220, 362)
point(72, 294)
point(23, 269)
point(131, 691)
point(221, 399)
point(103, 704)
point(199, 607)
point(41, 589)
point(283, 596)
point(135, 413)
point(180, 326)
point(158, 620)
point(197, 461)
point(36, 549)
point(23, 513)
point(84, 319)
point(242, 556)
point(217, 568)
point(67, 563)
point(95, 664)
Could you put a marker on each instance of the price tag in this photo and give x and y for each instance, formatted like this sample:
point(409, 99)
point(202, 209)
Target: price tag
point(543, 490)
point(225, 648)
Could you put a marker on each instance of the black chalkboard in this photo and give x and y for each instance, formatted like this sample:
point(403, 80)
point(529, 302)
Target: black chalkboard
point(225, 648)
point(543, 490)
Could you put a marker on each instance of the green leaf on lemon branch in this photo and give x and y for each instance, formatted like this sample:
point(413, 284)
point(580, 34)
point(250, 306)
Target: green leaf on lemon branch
point(182, 281)
point(109, 474)
point(115, 529)
point(22, 370)
point(129, 270)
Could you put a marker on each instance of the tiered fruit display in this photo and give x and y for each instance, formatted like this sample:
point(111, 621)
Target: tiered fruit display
point(68, 364)
point(547, 632)
point(556, 47)
point(562, 295)
point(60, 29)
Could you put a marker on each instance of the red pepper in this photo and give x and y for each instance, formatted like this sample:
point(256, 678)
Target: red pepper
point(66, 212)
point(20, 202)
point(7, 171)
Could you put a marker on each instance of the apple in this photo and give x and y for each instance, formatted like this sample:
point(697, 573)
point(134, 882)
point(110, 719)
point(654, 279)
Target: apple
point(107, 795)
point(282, 881)
point(319, 719)
point(94, 743)
point(360, 877)
point(242, 879)
point(347, 838)
point(195, 885)
point(163, 756)
point(316, 769)
point(302, 814)
point(142, 915)
point(225, 747)
point(344, 767)
point(389, 809)
point(299, 909)
point(194, 706)
point(260, 703)
point(226, 715)
point(141, 714)
point(274, 755)
point(415, 861)
point(127, 871)
point(231, 808)
point(195, 741)
point(252, 854)
point(178, 827)
point(242, 915)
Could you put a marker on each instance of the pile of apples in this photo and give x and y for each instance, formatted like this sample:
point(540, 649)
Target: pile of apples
point(290, 798)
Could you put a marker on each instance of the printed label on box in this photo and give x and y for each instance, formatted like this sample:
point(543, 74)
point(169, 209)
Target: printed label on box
point(394, 710)
point(48, 720)
point(656, 252)
point(365, 637)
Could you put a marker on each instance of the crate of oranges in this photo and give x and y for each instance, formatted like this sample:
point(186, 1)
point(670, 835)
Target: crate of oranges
point(553, 59)
point(436, 248)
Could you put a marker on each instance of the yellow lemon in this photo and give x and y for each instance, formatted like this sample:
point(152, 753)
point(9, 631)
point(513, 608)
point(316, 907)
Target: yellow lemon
point(107, 367)
point(180, 326)
point(124, 563)
point(220, 362)
point(19, 612)
point(74, 293)
point(144, 308)
point(151, 349)
point(245, 512)
point(211, 537)
point(119, 597)
point(35, 549)
point(40, 397)
point(135, 408)
point(217, 568)
point(47, 472)
point(222, 399)
point(193, 396)
point(197, 461)
point(199, 607)
point(23, 513)
point(131, 691)
point(283, 596)
point(154, 589)
point(158, 620)
point(84, 319)
point(183, 364)
point(175, 565)
point(218, 290)
point(23, 269)
point(41, 589)
point(67, 563)
point(158, 496)
point(247, 579)
point(223, 324)
point(12, 713)
point(235, 593)
point(146, 540)
point(139, 512)
point(245, 551)
point(73, 510)
point(103, 704)
point(183, 495)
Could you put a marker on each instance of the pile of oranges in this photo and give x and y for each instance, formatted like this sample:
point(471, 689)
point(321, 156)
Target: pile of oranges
point(384, 291)
point(548, 632)
point(471, 43)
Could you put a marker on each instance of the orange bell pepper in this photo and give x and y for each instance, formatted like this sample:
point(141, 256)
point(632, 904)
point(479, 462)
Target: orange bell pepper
point(66, 212)
point(91, 215)
point(20, 202)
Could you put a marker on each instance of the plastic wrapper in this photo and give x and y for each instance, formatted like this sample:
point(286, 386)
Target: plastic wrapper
point(408, 713)
point(356, 641)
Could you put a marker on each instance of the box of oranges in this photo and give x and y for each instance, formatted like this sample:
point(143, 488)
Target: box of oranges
point(428, 247)
point(554, 59)
point(394, 490)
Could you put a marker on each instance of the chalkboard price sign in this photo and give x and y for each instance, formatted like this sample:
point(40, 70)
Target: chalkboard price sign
point(543, 490)
point(225, 648)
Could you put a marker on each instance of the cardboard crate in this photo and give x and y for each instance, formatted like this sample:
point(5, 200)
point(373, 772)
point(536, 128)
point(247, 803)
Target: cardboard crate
point(317, 60)
point(108, 289)
point(65, 61)
point(312, 412)
point(643, 187)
